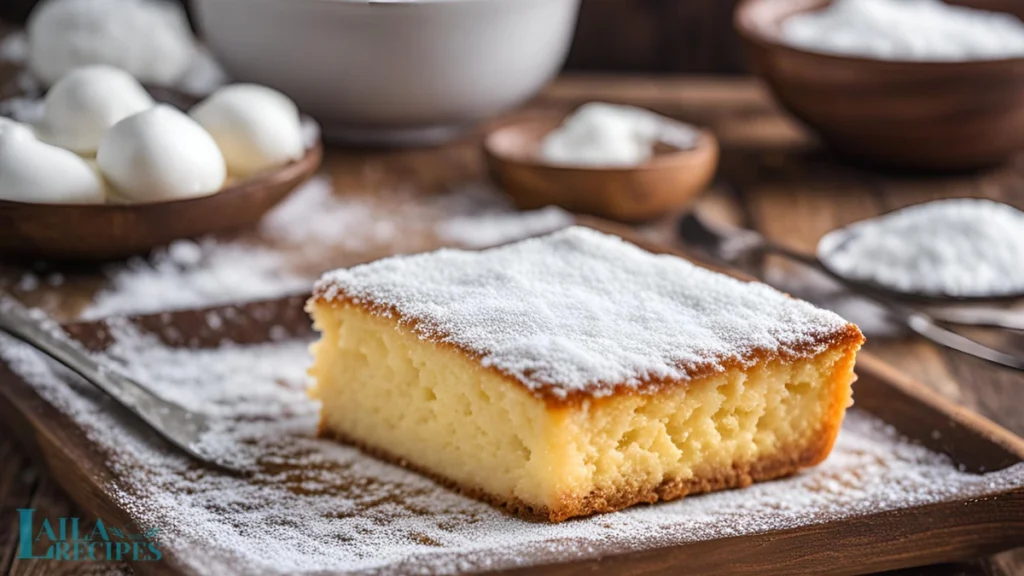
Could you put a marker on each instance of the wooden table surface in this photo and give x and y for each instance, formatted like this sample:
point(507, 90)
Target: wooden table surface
point(773, 177)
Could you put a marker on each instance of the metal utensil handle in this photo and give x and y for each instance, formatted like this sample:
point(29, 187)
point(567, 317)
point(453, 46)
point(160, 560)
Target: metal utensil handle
point(17, 321)
point(711, 241)
point(981, 317)
point(178, 425)
point(925, 327)
point(919, 322)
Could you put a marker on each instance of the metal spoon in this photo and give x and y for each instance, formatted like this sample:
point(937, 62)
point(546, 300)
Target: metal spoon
point(962, 315)
point(183, 428)
point(728, 244)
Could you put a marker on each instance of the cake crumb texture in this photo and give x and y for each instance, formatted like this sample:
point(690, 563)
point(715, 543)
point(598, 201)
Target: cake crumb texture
point(430, 407)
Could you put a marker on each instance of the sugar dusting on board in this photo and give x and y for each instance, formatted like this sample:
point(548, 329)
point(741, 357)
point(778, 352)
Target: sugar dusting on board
point(313, 221)
point(583, 309)
point(960, 247)
point(318, 506)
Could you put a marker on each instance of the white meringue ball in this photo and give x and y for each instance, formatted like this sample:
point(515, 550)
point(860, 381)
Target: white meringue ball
point(257, 128)
point(150, 39)
point(34, 171)
point(160, 154)
point(82, 106)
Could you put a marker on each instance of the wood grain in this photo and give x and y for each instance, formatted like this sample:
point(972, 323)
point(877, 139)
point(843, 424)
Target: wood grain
point(772, 176)
point(656, 36)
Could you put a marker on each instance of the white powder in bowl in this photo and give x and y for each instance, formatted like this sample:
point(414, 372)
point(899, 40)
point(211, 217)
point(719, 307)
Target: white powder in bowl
point(962, 247)
point(612, 135)
point(907, 30)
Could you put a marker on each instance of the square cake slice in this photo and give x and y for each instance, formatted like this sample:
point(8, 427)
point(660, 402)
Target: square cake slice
point(577, 373)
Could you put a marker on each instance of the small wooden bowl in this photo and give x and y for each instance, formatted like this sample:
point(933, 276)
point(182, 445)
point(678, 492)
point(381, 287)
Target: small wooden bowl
point(669, 181)
point(109, 231)
point(919, 115)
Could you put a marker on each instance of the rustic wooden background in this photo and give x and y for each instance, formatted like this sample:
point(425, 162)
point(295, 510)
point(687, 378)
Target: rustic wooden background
point(658, 36)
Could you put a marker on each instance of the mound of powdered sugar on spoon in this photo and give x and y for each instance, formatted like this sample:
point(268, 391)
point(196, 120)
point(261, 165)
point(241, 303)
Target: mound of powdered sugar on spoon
point(961, 248)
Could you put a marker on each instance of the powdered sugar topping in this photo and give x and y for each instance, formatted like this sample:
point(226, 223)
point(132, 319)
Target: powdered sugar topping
point(580, 310)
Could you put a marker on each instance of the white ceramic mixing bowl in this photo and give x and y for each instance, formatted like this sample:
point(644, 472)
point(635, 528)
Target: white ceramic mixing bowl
point(405, 72)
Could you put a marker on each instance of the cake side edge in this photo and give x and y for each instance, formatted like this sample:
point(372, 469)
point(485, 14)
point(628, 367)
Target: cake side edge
point(848, 335)
point(785, 461)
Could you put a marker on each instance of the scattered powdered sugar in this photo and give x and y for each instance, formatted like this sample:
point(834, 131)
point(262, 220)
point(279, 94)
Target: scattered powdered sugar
point(613, 135)
point(317, 506)
point(315, 214)
point(308, 226)
point(961, 247)
point(189, 274)
point(206, 272)
point(579, 309)
point(908, 30)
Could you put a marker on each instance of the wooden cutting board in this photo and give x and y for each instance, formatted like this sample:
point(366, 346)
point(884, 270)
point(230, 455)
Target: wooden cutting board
point(952, 529)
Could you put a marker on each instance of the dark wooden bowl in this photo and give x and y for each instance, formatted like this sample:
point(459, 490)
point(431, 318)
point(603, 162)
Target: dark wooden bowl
point(109, 231)
point(918, 115)
point(669, 181)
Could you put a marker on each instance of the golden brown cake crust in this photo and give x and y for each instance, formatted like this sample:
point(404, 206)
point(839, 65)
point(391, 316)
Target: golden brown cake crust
point(740, 475)
point(849, 336)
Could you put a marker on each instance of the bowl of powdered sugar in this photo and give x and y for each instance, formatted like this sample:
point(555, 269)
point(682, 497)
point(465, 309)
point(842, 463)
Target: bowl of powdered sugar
point(609, 160)
point(920, 84)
